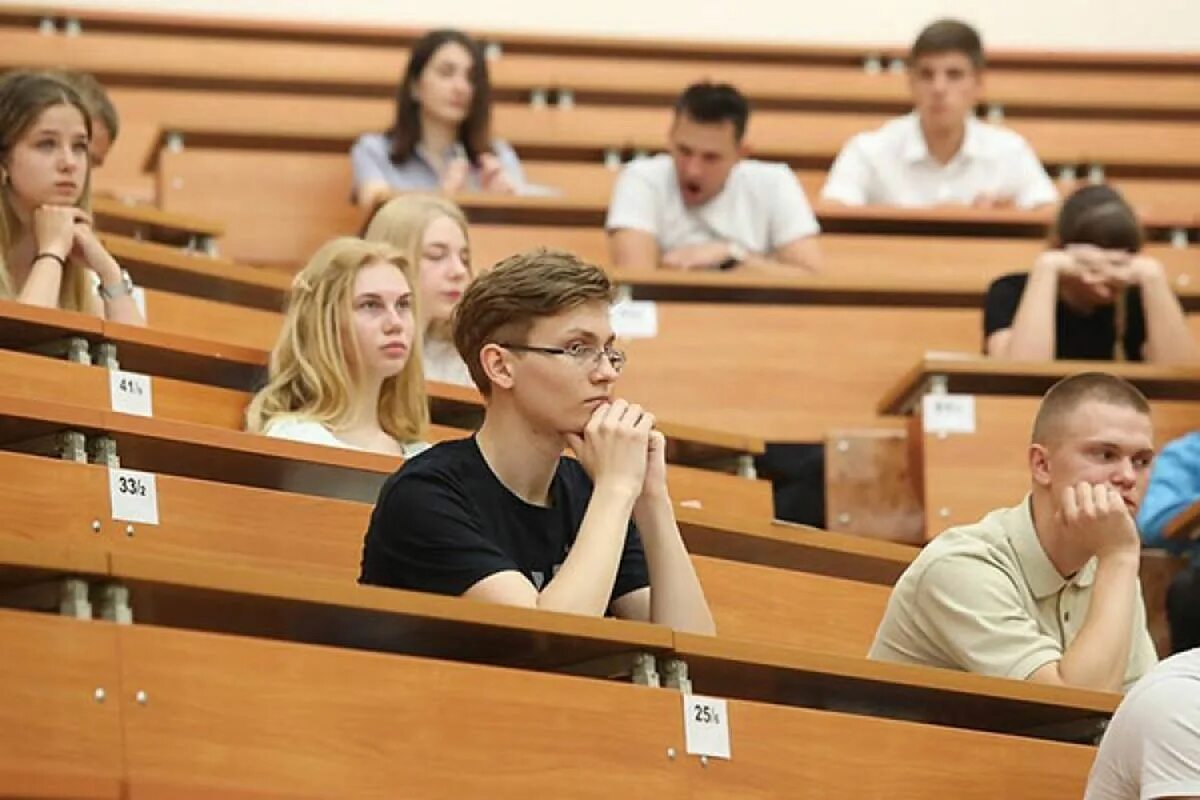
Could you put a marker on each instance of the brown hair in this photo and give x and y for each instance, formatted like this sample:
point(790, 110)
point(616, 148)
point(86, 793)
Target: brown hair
point(475, 132)
point(1097, 215)
point(948, 36)
point(310, 373)
point(100, 106)
point(503, 304)
point(1074, 390)
point(24, 95)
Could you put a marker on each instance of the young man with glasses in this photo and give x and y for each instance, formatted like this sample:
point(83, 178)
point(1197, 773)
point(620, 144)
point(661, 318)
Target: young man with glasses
point(502, 516)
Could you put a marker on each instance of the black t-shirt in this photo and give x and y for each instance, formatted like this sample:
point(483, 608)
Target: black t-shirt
point(1088, 337)
point(444, 521)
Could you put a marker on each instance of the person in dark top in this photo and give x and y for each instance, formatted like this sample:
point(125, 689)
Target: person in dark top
point(1092, 295)
point(503, 516)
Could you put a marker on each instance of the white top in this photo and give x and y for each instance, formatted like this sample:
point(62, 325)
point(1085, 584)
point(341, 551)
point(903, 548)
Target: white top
point(761, 207)
point(310, 431)
point(1152, 746)
point(892, 166)
point(441, 362)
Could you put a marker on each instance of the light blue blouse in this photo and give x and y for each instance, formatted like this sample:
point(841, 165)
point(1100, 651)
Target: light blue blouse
point(370, 158)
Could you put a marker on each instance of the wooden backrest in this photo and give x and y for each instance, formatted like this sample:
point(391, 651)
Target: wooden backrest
point(961, 484)
point(811, 612)
point(869, 486)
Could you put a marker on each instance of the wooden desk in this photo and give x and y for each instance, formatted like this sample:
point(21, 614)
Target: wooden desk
point(960, 486)
point(1185, 525)
point(959, 373)
point(141, 221)
point(168, 269)
point(776, 674)
point(370, 69)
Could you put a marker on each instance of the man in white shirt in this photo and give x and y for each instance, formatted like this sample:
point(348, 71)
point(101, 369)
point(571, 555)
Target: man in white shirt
point(940, 154)
point(703, 205)
point(1151, 749)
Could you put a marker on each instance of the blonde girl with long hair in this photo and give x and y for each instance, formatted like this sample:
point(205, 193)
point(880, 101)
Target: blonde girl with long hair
point(431, 232)
point(346, 370)
point(49, 254)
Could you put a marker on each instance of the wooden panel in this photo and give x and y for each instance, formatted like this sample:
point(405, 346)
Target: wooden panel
point(960, 486)
point(248, 188)
point(811, 612)
point(775, 378)
point(764, 671)
point(719, 492)
point(230, 713)
point(56, 739)
point(870, 488)
point(818, 754)
point(207, 319)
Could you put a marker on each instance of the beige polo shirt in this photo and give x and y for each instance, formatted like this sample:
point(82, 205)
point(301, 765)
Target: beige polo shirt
point(986, 598)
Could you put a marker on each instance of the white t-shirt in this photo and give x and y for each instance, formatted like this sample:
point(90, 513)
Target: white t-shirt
point(1152, 746)
point(761, 207)
point(441, 362)
point(296, 429)
point(892, 166)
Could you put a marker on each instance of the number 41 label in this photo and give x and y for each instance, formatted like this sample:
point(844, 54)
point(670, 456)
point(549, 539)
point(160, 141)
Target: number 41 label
point(130, 393)
point(706, 726)
point(134, 496)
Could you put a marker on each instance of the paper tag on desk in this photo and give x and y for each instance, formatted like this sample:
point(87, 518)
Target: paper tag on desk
point(134, 495)
point(706, 726)
point(634, 319)
point(130, 393)
point(948, 413)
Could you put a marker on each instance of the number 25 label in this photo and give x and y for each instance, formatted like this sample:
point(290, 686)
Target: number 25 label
point(134, 496)
point(706, 726)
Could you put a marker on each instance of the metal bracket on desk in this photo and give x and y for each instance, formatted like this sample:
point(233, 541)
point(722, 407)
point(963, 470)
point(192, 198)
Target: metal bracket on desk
point(104, 451)
point(539, 98)
point(47, 26)
point(873, 64)
point(105, 354)
point(73, 348)
point(73, 599)
point(1179, 238)
point(675, 675)
point(174, 142)
point(66, 445)
point(114, 604)
point(1096, 173)
point(745, 466)
point(645, 672)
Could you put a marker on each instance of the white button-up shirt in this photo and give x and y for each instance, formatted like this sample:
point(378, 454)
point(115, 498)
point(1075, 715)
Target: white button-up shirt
point(893, 166)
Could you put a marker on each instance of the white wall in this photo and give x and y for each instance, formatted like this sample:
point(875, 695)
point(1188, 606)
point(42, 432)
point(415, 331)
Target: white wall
point(1048, 24)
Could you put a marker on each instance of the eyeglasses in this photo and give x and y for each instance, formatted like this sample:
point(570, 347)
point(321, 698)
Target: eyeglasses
point(585, 355)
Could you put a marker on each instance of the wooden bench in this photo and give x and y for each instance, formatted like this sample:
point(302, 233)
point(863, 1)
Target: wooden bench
point(267, 711)
point(371, 69)
point(141, 221)
point(960, 373)
point(187, 416)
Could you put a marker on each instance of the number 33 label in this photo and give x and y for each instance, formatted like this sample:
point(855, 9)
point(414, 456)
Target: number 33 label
point(706, 726)
point(134, 496)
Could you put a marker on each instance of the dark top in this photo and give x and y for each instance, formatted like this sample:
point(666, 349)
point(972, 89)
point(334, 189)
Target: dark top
point(1088, 337)
point(444, 521)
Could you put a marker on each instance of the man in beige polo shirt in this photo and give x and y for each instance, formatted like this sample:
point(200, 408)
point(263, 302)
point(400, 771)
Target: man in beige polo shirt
point(1047, 590)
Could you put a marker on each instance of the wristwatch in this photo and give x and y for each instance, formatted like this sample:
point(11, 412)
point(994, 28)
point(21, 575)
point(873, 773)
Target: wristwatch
point(737, 254)
point(122, 289)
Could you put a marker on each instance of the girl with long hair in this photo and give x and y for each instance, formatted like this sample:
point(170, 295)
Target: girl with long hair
point(345, 371)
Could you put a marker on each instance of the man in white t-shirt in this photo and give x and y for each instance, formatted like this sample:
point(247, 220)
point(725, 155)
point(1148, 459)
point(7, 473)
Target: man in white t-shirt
point(940, 154)
point(703, 205)
point(1151, 749)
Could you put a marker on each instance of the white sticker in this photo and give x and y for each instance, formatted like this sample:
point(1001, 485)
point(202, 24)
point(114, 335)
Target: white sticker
point(706, 726)
point(634, 319)
point(948, 413)
point(134, 496)
point(130, 393)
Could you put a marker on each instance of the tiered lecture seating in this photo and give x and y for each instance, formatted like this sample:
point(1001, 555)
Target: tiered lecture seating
point(256, 667)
